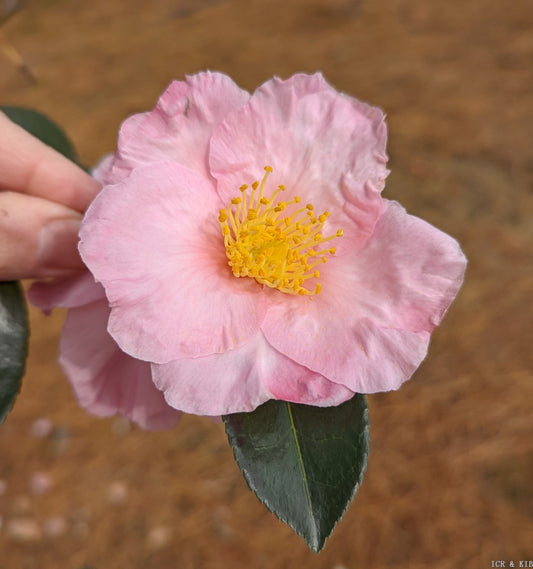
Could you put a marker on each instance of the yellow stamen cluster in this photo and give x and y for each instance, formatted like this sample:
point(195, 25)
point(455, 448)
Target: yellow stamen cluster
point(278, 250)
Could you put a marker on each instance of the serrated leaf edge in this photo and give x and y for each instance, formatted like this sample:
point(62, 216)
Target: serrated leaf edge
point(319, 545)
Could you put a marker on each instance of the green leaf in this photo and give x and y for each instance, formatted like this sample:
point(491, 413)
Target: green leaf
point(14, 332)
point(304, 463)
point(42, 128)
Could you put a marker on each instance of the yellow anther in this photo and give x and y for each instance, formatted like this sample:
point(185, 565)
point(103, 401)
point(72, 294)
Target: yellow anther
point(271, 249)
point(339, 233)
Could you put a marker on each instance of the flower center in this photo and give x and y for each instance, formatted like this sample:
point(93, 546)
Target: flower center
point(278, 250)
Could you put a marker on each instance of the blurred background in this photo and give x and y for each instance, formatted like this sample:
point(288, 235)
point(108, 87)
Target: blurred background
point(449, 482)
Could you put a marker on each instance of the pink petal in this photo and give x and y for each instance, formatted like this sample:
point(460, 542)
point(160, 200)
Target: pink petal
point(154, 241)
point(65, 292)
point(369, 329)
point(180, 125)
point(323, 146)
point(241, 379)
point(102, 169)
point(77, 289)
point(106, 381)
point(409, 273)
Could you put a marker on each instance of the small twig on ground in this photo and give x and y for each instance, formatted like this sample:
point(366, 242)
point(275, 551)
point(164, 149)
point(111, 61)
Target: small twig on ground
point(7, 9)
point(12, 54)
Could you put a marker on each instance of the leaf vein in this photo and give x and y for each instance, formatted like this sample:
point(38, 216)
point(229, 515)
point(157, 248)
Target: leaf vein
point(300, 459)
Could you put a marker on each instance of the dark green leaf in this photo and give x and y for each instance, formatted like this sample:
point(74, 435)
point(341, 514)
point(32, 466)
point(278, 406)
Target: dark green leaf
point(304, 463)
point(42, 128)
point(14, 332)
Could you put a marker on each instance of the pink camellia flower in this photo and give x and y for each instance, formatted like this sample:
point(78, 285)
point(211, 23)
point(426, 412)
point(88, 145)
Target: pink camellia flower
point(246, 254)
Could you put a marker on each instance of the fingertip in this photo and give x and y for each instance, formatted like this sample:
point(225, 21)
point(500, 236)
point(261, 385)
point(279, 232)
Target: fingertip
point(38, 238)
point(29, 166)
point(57, 247)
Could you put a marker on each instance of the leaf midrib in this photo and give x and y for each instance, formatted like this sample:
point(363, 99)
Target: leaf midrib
point(300, 461)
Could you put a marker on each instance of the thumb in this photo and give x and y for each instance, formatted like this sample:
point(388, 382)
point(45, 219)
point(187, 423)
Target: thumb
point(38, 238)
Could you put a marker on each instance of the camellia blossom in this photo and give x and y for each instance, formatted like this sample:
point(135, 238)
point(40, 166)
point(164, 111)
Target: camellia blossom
point(243, 252)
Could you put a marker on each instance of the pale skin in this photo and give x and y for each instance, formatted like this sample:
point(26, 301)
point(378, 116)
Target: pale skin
point(42, 198)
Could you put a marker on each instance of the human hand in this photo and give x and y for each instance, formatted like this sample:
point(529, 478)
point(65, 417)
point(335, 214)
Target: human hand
point(42, 198)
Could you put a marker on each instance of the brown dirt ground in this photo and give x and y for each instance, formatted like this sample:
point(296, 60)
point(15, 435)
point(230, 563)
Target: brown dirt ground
point(449, 483)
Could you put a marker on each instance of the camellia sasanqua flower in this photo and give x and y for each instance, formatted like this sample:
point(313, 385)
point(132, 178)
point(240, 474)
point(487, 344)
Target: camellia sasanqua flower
point(242, 251)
